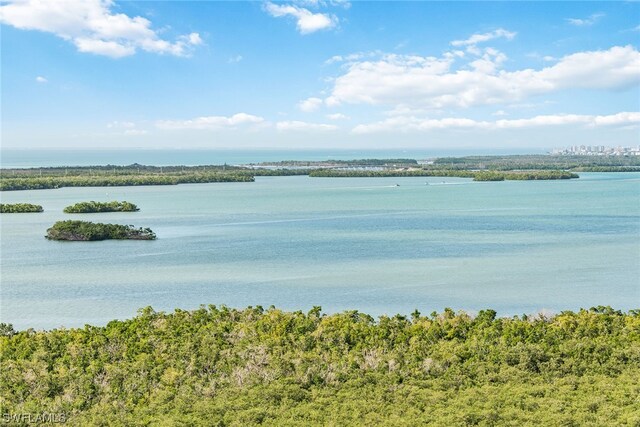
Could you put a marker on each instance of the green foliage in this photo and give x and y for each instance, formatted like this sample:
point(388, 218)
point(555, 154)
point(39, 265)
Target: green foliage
point(19, 208)
point(476, 175)
point(523, 175)
point(227, 367)
point(91, 207)
point(607, 169)
point(8, 183)
point(348, 163)
point(85, 231)
point(536, 162)
point(359, 173)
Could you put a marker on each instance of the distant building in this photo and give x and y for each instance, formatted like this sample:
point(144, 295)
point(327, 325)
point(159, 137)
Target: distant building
point(596, 150)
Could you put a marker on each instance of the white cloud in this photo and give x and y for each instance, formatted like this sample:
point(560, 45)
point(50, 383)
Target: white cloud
point(343, 3)
point(337, 116)
point(429, 82)
point(585, 22)
point(235, 59)
point(310, 104)
point(416, 124)
point(125, 128)
point(193, 39)
point(303, 126)
point(121, 125)
point(93, 28)
point(211, 122)
point(481, 38)
point(306, 21)
point(41, 79)
point(348, 58)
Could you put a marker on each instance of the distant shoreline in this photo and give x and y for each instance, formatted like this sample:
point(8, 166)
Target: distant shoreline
point(480, 168)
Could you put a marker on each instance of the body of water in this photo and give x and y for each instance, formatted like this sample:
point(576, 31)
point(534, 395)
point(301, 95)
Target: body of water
point(43, 158)
point(341, 243)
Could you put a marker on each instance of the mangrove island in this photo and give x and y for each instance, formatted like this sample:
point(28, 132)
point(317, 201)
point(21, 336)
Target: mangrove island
point(87, 231)
point(19, 208)
point(94, 207)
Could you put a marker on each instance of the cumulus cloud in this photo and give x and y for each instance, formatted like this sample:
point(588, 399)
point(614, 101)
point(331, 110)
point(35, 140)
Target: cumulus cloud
point(429, 82)
point(303, 126)
point(485, 37)
point(93, 27)
point(337, 116)
point(121, 125)
point(125, 128)
point(306, 21)
point(415, 124)
point(585, 22)
point(310, 104)
point(350, 58)
point(41, 79)
point(211, 122)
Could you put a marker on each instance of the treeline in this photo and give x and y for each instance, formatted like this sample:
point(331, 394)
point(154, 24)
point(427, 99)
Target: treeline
point(607, 169)
point(349, 163)
point(476, 175)
point(523, 175)
point(94, 207)
point(359, 173)
point(19, 208)
point(113, 170)
point(279, 172)
point(535, 162)
point(227, 367)
point(90, 231)
point(36, 183)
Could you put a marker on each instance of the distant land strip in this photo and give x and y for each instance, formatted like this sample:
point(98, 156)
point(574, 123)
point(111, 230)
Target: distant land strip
point(480, 168)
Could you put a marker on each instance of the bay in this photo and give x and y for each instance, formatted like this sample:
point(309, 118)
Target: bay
point(341, 243)
point(17, 158)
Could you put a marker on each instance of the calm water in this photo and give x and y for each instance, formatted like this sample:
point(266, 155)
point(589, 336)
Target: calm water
point(342, 243)
point(42, 158)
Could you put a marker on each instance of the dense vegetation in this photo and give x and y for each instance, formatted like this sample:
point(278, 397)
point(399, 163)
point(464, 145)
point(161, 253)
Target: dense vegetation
point(367, 173)
point(9, 182)
point(536, 162)
point(342, 163)
point(19, 208)
point(522, 175)
point(113, 170)
point(476, 175)
point(224, 367)
point(85, 231)
point(607, 169)
point(92, 207)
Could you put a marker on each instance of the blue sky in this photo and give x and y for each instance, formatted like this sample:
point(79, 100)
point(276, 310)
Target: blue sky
point(319, 74)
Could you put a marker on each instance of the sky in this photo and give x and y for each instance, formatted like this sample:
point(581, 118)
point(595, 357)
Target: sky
point(315, 74)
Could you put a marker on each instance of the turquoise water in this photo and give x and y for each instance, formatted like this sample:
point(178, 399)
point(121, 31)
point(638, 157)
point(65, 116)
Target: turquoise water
point(42, 158)
point(342, 243)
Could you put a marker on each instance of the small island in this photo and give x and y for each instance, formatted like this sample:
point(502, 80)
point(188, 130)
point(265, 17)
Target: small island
point(90, 231)
point(19, 208)
point(93, 207)
point(490, 175)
